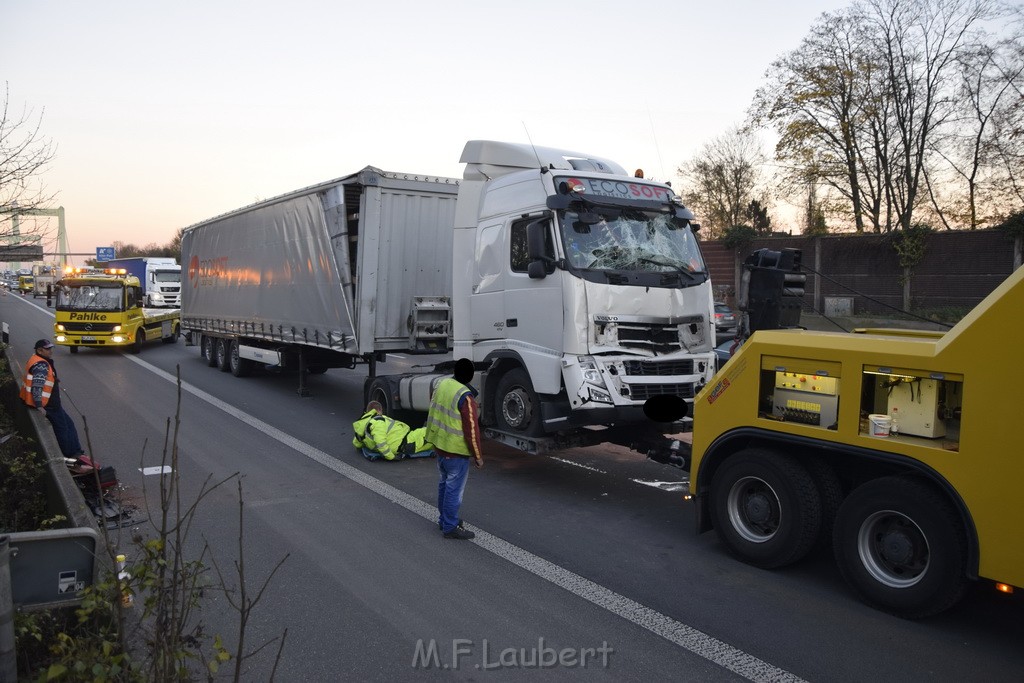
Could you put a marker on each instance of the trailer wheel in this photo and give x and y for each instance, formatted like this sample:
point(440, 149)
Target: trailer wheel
point(517, 407)
point(208, 350)
point(240, 367)
point(902, 547)
point(223, 354)
point(140, 339)
point(765, 507)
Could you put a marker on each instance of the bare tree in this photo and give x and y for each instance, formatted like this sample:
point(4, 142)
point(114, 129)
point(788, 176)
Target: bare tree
point(24, 155)
point(920, 42)
point(723, 179)
point(868, 101)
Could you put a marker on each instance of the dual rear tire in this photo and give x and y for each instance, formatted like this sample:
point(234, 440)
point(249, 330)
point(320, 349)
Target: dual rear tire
point(899, 543)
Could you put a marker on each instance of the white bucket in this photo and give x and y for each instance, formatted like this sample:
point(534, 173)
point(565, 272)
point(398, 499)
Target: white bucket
point(880, 425)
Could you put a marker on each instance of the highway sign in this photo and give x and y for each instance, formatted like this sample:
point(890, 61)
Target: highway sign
point(105, 254)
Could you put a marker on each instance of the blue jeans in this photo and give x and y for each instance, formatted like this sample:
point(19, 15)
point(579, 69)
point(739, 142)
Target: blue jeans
point(64, 430)
point(453, 472)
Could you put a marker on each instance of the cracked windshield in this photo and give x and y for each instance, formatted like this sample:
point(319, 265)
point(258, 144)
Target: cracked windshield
point(89, 298)
point(630, 240)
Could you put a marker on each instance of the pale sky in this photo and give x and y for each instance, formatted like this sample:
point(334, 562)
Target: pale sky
point(165, 114)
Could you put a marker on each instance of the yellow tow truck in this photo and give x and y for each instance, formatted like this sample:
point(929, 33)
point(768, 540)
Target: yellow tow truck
point(103, 309)
point(26, 284)
point(900, 448)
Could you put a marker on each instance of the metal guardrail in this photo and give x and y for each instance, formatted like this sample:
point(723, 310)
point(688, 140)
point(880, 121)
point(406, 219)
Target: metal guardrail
point(43, 569)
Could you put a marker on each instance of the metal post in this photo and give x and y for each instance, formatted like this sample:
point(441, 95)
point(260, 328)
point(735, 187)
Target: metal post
point(8, 653)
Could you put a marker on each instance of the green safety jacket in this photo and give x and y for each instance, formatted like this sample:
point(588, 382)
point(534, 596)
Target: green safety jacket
point(387, 436)
point(444, 421)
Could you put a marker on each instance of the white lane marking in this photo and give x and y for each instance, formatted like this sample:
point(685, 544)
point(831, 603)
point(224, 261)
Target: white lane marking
point(687, 637)
point(576, 464)
point(162, 469)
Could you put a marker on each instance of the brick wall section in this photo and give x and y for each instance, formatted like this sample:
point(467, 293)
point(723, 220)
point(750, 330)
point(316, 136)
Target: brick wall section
point(959, 269)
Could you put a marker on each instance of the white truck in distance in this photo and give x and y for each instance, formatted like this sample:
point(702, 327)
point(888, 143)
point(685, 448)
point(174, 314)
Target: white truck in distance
point(578, 291)
point(159, 276)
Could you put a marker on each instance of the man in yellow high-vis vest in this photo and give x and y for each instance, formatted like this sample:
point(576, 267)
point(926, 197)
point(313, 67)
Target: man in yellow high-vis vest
point(453, 427)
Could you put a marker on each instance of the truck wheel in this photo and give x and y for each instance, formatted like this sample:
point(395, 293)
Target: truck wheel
point(830, 490)
point(140, 339)
point(902, 547)
point(765, 507)
point(517, 407)
point(223, 350)
point(73, 349)
point(380, 393)
point(208, 349)
point(240, 367)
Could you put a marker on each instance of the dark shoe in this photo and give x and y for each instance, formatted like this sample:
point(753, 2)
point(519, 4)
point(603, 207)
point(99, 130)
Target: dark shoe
point(461, 525)
point(460, 534)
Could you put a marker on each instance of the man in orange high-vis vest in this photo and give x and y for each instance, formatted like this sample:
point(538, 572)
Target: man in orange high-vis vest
point(40, 390)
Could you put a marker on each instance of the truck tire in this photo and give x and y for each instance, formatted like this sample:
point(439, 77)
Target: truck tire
point(766, 508)
point(902, 547)
point(208, 349)
point(516, 406)
point(380, 392)
point(223, 352)
point(140, 339)
point(240, 367)
point(73, 349)
point(830, 490)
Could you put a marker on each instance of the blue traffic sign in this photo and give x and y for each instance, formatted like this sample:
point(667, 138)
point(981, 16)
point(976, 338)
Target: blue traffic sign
point(105, 254)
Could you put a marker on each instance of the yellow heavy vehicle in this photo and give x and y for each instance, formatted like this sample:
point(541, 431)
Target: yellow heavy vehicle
point(104, 310)
point(25, 284)
point(900, 448)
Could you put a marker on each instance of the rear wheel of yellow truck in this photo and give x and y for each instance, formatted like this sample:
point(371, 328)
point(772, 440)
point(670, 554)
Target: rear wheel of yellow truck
point(766, 507)
point(140, 339)
point(902, 547)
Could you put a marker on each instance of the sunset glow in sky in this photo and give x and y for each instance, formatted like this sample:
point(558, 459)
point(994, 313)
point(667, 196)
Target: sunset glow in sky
point(165, 114)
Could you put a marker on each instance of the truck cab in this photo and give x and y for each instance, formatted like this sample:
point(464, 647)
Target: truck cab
point(588, 301)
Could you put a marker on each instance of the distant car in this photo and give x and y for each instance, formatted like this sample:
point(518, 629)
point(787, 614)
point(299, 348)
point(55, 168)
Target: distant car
point(725, 319)
point(723, 352)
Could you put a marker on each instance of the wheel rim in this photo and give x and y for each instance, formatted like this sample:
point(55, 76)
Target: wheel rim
point(754, 509)
point(893, 549)
point(516, 408)
point(381, 397)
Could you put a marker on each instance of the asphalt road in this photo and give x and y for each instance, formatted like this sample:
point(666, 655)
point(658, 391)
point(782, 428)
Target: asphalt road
point(590, 552)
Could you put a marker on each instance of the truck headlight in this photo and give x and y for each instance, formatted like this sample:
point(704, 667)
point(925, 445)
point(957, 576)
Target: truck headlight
point(599, 395)
point(60, 328)
point(117, 328)
point(590, 371)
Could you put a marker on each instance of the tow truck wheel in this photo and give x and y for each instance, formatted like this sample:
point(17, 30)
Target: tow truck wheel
point(902, 547)
point(766, 508)
point(517, 407)
point(223, 348)
point(140, 338)
point(240, 367)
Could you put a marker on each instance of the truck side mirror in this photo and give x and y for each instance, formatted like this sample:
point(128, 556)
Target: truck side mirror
point(541, 263)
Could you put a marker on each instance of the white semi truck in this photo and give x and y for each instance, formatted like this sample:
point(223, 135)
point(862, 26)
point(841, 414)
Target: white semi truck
point(578, 291)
